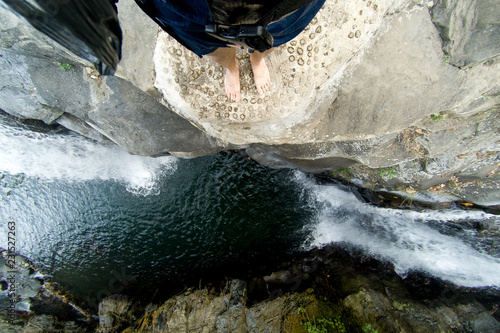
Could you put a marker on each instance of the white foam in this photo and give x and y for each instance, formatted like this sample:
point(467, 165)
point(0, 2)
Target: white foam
point(403, 237)
point(75, 158)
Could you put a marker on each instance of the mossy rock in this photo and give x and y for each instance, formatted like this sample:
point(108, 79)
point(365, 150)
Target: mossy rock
point(307, 312)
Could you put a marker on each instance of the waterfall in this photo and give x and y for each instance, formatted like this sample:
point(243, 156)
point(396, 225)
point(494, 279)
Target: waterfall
point(212, 207)
point(71, 157)
point(425, 241)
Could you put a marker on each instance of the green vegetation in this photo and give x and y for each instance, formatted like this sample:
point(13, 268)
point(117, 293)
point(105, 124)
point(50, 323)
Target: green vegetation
point(303, 298)
point(446, 59)
point(400, 306)
point(369, 329)
point(437, 116)
point(66, 67)
point(408, 200)
point(389, 172)
point(345, 172)
point(311, 328)
point(455, 183)
point(323, 324)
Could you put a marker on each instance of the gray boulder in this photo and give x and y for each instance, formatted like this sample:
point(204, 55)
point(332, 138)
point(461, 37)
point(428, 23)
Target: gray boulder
point(469, 29)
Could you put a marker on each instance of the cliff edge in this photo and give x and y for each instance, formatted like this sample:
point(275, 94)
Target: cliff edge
point(403, 93)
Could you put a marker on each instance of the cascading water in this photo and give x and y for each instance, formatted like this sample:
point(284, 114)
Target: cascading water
point(73, 158)
point(425, 241)
point(91, 214)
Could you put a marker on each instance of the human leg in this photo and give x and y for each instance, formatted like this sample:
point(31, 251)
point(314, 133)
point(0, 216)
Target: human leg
point(226, 57)
point(261, 71)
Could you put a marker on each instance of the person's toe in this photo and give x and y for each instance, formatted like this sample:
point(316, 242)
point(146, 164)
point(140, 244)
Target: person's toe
point(235, 97)
point(264, 88)
point(232, 86)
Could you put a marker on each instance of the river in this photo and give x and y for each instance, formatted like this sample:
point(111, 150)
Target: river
point(93, 217)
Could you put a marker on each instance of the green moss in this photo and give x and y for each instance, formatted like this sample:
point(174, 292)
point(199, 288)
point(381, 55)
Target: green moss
point(310, 313)
point(324, 325)
point(66, 67)
point(437, 116)
point(369, 329)
point(401, 306)
point(343, 173)
point(389, 172)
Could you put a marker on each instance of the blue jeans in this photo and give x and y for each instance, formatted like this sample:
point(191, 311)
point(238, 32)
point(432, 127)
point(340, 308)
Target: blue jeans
point(187, 19)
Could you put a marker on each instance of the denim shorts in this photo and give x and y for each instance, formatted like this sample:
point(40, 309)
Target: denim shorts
point(187, 20)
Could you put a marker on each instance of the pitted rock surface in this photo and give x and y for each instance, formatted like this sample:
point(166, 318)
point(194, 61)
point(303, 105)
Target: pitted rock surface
point(300, 69)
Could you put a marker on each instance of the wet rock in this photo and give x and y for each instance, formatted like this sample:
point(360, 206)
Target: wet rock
point(400, 316)
point(371, 306)
point(19, 283)
point(202, 311)
point(112, 312)
point(280, 277)
point(31, 305)
point(346, 292)
point(265, 317)
point(343, 291)
point(197, 310)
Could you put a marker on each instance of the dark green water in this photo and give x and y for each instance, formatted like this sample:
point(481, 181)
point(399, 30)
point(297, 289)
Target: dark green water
point(95, 236)
point(98, 220)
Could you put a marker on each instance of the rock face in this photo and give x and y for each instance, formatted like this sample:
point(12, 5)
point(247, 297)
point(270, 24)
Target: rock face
point(30, 304)
point(347, 296)
point(368, 85)
point(467, 29)
point(323, 290)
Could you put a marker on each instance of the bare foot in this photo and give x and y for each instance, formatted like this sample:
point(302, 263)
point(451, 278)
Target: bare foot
point(232, 84)
point(260, 73)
